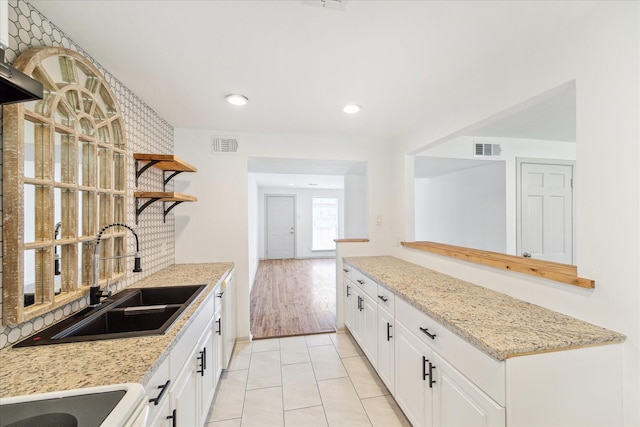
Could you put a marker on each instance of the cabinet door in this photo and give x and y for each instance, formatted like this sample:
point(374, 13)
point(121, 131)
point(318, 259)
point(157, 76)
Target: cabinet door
point(163, 417)
point(412, 391)
point(185, 396)
point(369, 328)
point(218, 331)
point(386, 342)
point(457, 402)
point(349, 303)
point(207, 374)
point(229, 321)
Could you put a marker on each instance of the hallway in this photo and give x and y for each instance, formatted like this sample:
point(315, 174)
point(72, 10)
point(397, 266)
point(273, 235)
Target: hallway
point(293, 297)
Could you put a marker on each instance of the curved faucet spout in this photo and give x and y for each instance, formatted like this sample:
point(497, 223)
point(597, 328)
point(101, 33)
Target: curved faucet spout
point(96, 293)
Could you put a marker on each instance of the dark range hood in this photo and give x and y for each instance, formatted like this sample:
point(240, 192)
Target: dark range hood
point(16, 86)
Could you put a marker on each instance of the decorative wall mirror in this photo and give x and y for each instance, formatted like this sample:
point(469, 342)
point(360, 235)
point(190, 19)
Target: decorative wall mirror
point(64, 177)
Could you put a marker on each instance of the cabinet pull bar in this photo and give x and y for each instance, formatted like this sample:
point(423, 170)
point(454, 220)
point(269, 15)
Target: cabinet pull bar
point(219, 322)
point(348, 288)
point(429, 334)
point(431, 380)
point(346, 270)
point(201, 359)
point(220, 295)
point(383, 298)
point(173, 417)
point(204, 360)
point(389, 336)
point(425, 374)
point(360, 281)
point(162, 388)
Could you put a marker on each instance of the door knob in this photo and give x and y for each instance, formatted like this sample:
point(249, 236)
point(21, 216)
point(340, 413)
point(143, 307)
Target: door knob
point(526, 254)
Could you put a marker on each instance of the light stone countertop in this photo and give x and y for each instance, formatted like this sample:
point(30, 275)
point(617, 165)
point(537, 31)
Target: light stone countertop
point(68, 366)
point(499, 325)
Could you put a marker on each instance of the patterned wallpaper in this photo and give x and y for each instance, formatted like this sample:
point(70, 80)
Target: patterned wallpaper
point(146, 131)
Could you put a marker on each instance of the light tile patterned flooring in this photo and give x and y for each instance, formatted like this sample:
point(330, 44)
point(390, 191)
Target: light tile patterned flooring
point(311, 380)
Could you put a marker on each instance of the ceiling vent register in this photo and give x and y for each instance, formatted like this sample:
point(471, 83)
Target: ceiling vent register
point(224, 145)
point(486, 150)
point(329, 4)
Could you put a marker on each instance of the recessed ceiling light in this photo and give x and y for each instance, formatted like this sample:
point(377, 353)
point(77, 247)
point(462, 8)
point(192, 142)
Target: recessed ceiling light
point(236, 99)
point(351, 108)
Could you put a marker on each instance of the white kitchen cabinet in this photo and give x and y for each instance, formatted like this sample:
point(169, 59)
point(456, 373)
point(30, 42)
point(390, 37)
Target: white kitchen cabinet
point(412, 390)
point(442, 380)
point(362, 315)
point(458, 402)
point(228, 319)
point(386, 348)
point(182, 388)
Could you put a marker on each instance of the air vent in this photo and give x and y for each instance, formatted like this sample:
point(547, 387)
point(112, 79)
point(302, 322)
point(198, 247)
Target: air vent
point(487, 150)
point(224, 145)
point(329, 4)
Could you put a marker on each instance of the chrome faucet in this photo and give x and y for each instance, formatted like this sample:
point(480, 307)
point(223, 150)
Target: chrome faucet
point(95, 293)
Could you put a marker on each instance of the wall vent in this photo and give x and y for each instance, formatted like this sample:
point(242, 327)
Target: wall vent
point(224, 144)
point(329, 4)
point(486, 150)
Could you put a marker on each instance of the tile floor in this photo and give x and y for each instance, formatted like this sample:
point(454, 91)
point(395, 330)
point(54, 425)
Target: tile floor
point(311, 380)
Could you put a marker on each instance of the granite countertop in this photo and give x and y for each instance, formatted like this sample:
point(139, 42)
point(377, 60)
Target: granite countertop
point(68, 366)
point(499, 325)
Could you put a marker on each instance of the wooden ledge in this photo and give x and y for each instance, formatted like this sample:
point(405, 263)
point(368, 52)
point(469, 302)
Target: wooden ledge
point(563, 273)
point(350, 240)
point(167, 162)
point(165, 196)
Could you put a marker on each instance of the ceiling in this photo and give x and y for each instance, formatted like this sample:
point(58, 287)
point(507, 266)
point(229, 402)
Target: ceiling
point(299, 64)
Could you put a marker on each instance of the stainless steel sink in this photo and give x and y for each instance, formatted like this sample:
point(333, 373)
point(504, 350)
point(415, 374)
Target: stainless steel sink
point(130, 313)
point(105, 405)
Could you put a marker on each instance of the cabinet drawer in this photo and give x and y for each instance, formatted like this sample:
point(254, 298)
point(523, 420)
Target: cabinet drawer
point(365, 283)
point(484, 371)
point(194, 331)
point(386, 299)
point(157, 389)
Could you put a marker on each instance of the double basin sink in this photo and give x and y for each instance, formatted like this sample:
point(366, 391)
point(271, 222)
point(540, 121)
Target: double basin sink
point(130, 313)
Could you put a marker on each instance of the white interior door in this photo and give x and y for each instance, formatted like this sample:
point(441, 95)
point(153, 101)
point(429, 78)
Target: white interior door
point(545, 220)
point(280, 227)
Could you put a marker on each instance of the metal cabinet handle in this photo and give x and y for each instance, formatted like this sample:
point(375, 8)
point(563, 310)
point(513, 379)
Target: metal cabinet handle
point(389, 336)
point(526, 254)
point(346, 270)
point(431, 380)
point(201, 358)
point(425, 374)
point(360, 281)
point(348, 288)
point(162, 388)
point(219, 322)
point(220, 295)
point(429, 334)
point(383, 298)
point(173, 417)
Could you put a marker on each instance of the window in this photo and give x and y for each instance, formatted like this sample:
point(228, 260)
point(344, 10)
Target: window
point(64, 172)
point(325, 223)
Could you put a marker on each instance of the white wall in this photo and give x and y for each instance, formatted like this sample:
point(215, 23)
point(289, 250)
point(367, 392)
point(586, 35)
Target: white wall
point(215, 228)
point(355, 206)
point(303, 219)
point(464, 208)
point(253, 227)
point(600, 51)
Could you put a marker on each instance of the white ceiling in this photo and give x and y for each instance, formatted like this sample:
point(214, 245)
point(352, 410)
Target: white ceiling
point(297, 64)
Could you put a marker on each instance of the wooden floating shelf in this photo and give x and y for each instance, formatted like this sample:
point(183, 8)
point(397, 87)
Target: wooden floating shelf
point(165, 196)
point(160, 196)
point(167, 162)
point(164, 162)
point(555, 271)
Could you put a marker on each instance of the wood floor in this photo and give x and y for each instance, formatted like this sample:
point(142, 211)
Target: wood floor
point(293, 297)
